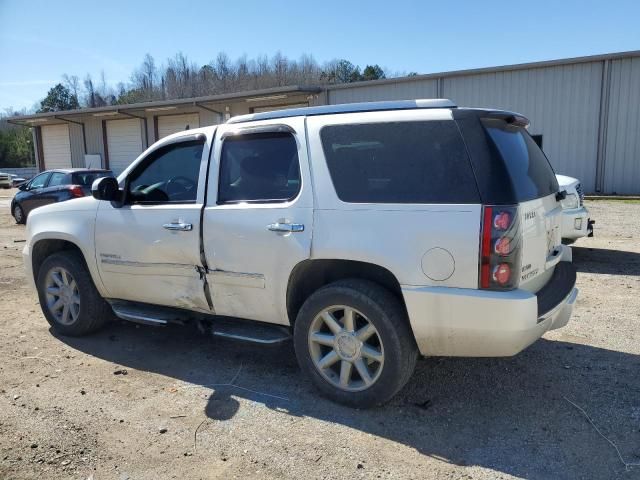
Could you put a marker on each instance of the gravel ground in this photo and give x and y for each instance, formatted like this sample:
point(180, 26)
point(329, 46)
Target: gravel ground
point(142, 402)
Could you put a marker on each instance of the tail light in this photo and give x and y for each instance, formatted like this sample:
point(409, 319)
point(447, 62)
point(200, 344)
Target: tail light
point(76, 191)
point(500, 247)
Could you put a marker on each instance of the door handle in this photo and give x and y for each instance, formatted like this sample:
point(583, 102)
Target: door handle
point(286, 227)
point(181, 227)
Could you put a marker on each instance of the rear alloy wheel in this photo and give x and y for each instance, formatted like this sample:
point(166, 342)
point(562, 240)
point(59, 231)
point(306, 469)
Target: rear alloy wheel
point(346, 348)
point(18, 214)
point(352, 338)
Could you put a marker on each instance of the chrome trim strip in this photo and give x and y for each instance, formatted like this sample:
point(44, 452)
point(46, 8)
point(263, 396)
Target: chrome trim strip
point(130, 263)
point(242, 279)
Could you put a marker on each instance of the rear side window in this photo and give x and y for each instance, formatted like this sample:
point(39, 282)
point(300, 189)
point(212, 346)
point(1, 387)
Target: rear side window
point(259, 167)
point(87, 178)
point(57, 178)
point(528, 167)
point(399, 162)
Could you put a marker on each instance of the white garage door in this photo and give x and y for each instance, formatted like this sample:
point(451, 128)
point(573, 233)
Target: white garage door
point(124, 143)
point(168, 124)
point(56, 146)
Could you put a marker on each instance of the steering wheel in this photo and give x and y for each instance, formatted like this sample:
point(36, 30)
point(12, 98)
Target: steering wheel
point(179, 184)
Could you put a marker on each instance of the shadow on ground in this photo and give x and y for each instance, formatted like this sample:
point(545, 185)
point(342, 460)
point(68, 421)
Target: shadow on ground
point(508, 415)
point(603, 260)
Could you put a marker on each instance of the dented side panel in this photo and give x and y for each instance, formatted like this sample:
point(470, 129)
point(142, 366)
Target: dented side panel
point(140, 260)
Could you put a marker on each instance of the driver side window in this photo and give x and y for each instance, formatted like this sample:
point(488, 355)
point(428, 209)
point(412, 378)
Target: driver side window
point(168, 175)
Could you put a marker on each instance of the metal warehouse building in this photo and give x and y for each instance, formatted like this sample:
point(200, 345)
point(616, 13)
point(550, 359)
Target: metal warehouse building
point(585, 112)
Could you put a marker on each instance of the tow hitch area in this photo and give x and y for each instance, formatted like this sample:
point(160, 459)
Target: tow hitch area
point(590, 224)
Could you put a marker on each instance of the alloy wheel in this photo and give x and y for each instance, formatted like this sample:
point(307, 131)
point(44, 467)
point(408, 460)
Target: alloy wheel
point(63, 296)
point(346, 348)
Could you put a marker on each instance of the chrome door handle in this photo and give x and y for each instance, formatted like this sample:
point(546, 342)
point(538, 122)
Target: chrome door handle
point(286, 227)
point(181, 227)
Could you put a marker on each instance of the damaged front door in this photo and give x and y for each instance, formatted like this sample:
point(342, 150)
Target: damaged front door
point(148, 250)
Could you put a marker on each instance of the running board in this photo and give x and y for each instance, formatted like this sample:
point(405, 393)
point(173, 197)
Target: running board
point(248, 331)
point(147, 314)
point(225, 327)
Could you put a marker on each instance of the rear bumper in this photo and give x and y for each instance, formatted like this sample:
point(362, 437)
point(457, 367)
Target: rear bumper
point(575, 223)
point(479, 323)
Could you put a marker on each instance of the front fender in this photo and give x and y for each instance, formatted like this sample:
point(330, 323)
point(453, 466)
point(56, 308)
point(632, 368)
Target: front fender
point(76, 226)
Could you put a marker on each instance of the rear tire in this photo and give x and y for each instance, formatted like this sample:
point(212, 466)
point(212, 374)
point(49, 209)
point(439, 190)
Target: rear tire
point(353, 339)
point(68, 297)
point(18, 215)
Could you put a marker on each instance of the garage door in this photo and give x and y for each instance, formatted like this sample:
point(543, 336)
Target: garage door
point(168, 124)
point(124, 143)
point(56, 146)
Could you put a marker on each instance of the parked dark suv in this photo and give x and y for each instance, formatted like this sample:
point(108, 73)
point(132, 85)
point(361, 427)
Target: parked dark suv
point(53, 186)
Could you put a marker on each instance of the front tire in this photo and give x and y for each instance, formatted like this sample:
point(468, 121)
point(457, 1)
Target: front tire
point(68, 298)
point(353, 339)
point(18, 215)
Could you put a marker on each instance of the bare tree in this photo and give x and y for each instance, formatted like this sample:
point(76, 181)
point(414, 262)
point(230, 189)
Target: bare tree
point(90, 98)
point(72, 82)
point(180, 78)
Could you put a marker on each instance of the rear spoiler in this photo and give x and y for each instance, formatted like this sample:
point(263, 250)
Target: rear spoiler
point(509, 117)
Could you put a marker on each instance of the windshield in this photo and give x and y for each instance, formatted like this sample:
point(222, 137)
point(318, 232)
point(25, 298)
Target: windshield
point(528, 167)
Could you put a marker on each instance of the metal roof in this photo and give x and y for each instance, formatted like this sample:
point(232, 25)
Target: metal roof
point(499, 68)
point(178, 102)
point(346, 108)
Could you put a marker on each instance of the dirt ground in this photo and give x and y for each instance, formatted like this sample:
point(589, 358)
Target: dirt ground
point(142, 402)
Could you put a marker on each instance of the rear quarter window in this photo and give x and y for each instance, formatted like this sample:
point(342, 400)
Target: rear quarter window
point(399, 162)
point(530, 171)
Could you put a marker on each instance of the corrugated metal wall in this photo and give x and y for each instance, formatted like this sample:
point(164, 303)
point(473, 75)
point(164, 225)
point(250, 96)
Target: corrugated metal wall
point(562, 103)
point(622, 149)
point(77, 145)
point(386, 91)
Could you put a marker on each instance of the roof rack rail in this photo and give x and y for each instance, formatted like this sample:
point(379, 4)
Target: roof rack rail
point(347, 108)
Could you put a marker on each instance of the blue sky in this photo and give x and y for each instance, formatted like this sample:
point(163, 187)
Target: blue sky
point(42, 40)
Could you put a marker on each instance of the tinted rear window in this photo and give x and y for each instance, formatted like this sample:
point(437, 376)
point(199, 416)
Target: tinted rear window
point(528, 167)
point(399, 162)
point(87, 178)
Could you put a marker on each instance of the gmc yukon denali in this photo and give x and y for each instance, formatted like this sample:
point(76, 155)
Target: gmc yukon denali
point(368, 233)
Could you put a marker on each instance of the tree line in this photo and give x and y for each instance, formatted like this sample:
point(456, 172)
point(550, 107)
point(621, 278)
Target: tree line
point(16, 145)
point(179, 77)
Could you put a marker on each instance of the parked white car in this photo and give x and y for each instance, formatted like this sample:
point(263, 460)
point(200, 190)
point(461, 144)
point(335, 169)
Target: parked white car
point(370, 233)
point(5, 180)
point(575, 216)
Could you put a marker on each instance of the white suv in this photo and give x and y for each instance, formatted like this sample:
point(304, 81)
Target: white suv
point(371, 233)
point(575, 216)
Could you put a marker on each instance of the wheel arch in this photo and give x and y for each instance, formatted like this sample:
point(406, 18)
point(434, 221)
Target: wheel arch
point(45, 247)
point(310, 275)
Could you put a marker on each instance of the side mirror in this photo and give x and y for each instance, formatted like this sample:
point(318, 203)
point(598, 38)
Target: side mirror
point(23, 186)
point(106, 188)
